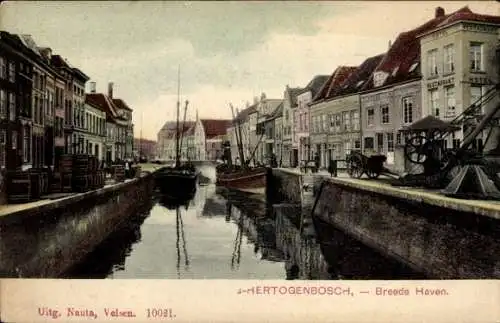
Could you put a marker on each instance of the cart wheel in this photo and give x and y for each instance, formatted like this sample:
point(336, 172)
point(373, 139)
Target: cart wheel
point(372, 174)
point(355, 166)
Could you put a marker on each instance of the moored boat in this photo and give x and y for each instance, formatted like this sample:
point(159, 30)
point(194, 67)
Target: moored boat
point(180, 181)
point(252, 180)
point(176, 182)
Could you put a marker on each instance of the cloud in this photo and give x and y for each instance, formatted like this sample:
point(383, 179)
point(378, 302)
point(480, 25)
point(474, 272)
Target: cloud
point(228, 51)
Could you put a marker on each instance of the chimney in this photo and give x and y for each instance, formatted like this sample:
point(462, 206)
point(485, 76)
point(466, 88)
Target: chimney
point(92, 87)
point(439, 12)
point(390, 44)
point(110, 90)
point(255, 99)
point(262, 96)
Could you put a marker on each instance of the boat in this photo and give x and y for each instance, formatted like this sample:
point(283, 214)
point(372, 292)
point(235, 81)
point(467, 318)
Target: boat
point(241, 177)
point(178, 182)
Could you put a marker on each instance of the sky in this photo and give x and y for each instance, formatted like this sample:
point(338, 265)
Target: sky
point(228, 52)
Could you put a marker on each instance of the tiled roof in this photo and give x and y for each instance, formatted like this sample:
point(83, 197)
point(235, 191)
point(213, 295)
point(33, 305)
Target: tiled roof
point(465, 14)
point(316, 84)
point(170, 127)
point(359, 77)
point(293, 92)
point(403, 57)
point(104, 103)
point(243, 114)
point(121, 104)
point(215, 127)
point(337, 77)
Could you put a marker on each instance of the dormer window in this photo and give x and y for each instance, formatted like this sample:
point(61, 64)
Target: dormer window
point(379, 78)
point(395, 71)
point(413, 67)
point(359, 84)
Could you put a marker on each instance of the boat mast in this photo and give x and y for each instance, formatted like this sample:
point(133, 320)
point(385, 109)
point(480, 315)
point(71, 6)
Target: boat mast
point(237, 130)
point(177, 148)
point(140, 136)
point(183, 129)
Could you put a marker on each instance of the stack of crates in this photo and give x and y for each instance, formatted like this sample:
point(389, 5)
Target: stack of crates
point(20, 186)
point(65, 173)
point(81, 173)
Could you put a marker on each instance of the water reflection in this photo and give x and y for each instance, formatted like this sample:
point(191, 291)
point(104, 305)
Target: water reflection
point(230, 237)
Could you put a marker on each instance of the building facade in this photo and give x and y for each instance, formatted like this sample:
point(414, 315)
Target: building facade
point(290, 143)
point(302, 119)
point(324, 107)
point(95, 126)
point(145, 147)
point(459, 67)
point(16, 72)
point(212, 135)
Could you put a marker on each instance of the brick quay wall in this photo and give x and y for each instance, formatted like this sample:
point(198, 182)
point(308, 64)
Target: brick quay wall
point(44, 241)
point(439, 236)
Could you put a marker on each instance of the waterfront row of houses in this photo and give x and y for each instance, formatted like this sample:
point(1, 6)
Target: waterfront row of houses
point(201, 139)
point(439, 68)
point(45, 111)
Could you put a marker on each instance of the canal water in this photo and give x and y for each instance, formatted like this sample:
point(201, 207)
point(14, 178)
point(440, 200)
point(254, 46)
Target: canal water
point(236, 237)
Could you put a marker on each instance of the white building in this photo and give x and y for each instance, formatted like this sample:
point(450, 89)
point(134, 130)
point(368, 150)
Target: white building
point(95, 130)
point(459, 66)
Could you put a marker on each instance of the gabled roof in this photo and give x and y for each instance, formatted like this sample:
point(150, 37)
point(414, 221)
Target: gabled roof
point(215, 127)
point(59, 62)
point(337, 77)
point(401, 60)
point(170, 126)
point(121, 104)
point(316, 84)
point(359, 77)
point(465, 14)
point(243, 114)
point(104, 103)
point(292, 92)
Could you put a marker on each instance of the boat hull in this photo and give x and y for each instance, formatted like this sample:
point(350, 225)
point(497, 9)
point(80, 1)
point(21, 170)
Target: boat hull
point(253, 181)
point(176, 185)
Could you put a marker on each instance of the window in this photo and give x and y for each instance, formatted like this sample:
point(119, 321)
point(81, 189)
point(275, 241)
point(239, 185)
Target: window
point(347, 148)
point(432, 62)
point(369, 143)
point(370, 119)
point(357, 144)
point(337, 123)
point(476, 61)
point(449, 59)
point(26, 144)
point(476, 92)
point(355, 120)
point(449, 93)
point(390, 141)
point(12, 107)
point(346, 121)
point(413, 67)
point(306, 123)
point(14, 139)
point(380, 142)
point(3, 104)
point(325, 122)
point(3, 68)
point(408, 110)
point(434, 102)
point(384, 114)
point(332, 122)
point(12, 72)
point(3, 142)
